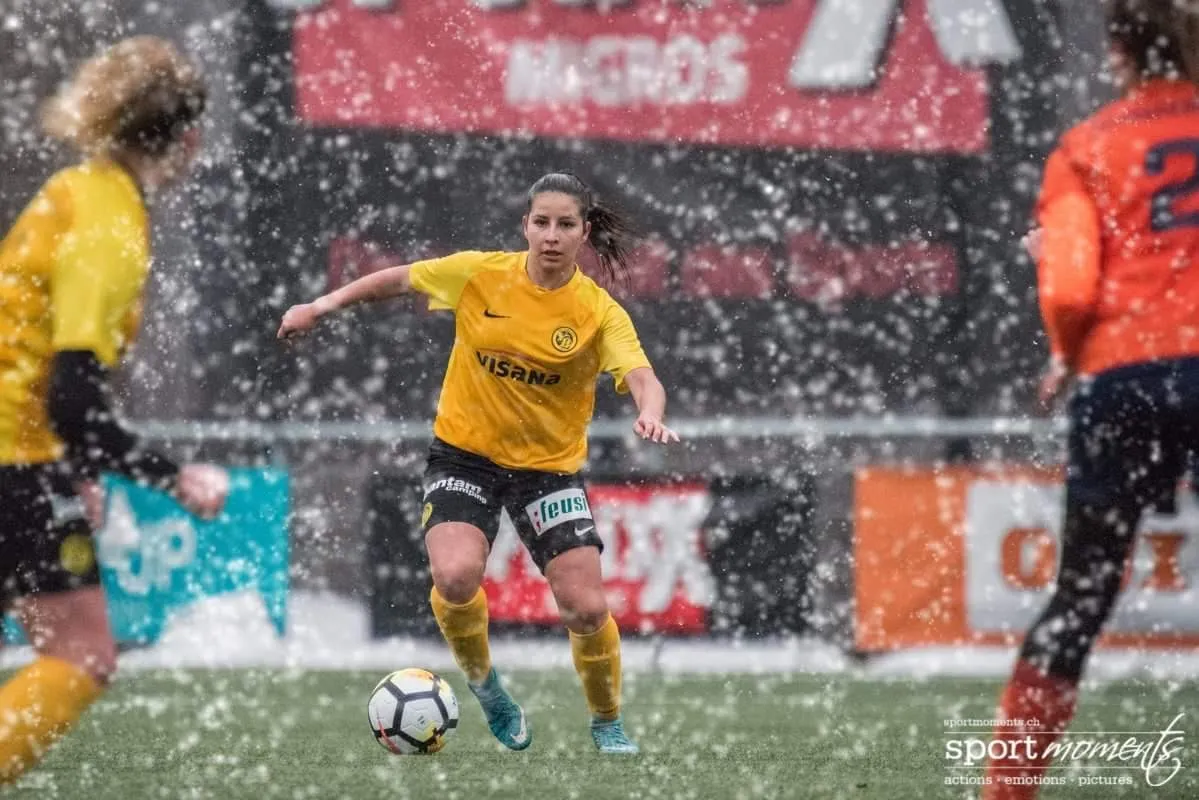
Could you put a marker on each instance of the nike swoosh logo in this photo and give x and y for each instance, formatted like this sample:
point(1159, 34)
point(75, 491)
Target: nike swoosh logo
point(523, 732)
point(581, 532)
point(487, 313)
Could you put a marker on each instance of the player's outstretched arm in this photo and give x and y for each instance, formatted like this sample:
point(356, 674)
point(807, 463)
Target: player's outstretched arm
point(381, 285)
point(77, 403)
point(650, 397)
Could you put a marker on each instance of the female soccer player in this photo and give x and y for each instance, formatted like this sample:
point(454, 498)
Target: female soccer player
point(532, 334)
point(72, 271)
point(1118, 242)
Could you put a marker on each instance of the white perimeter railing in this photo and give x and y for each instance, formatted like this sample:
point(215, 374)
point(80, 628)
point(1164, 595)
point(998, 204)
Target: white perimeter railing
point(810, 428)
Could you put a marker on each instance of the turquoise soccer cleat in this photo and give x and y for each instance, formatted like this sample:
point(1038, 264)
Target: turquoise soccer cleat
point(505, 718)
point(609, 737)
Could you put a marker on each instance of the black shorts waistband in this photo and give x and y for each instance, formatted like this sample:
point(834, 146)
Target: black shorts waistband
point(443, 449)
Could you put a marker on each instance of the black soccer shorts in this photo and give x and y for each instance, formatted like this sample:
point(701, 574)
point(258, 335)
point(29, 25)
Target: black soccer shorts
point(46, 542)
point(550, 510)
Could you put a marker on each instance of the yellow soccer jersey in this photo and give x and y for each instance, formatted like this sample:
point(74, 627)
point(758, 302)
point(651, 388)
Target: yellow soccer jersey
point(72, 270)
point(520, 386)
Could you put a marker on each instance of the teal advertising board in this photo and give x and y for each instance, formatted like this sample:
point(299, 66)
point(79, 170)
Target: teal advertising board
point(156, 559)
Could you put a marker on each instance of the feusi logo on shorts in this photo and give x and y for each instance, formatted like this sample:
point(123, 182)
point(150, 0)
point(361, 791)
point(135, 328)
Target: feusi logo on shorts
point(556, 508)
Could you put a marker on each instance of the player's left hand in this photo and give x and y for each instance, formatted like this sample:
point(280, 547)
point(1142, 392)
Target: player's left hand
point(202, 489)
point(92, 496)
point(1054, 382)
point(653, 430)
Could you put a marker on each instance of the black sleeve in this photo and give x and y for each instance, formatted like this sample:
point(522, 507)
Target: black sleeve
point(82, 417)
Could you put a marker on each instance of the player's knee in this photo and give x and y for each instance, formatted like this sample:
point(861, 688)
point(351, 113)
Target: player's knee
point(1093, 610)
point(585, 613)
point(102, 665)
point(457, 579)
point(96, 655)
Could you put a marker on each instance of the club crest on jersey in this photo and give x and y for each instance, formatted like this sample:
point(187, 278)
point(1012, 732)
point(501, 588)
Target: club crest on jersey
point(564, 339)
point(556, 508)
point(505, 368)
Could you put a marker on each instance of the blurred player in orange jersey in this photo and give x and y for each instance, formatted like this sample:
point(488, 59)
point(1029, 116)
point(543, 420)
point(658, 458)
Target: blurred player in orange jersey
point(1118, 273)
point(532, 335)
point(72, 271)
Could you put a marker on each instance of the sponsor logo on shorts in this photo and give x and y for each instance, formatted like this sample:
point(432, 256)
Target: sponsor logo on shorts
point(556, 508)
point(66, 508)
point(456, 485)
point(77, 554)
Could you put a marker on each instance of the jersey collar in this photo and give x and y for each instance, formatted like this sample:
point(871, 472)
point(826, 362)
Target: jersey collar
point(115, 164)
point(524, 272)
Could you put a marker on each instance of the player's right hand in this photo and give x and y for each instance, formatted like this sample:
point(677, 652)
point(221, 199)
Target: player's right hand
point(299, 319)
point(202, 489)
point(652, 429)
point(1032, 242)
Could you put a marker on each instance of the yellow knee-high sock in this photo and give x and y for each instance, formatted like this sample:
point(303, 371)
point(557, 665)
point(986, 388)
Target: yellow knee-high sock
point(597, 660)
point(37, 706)
point(465, 630)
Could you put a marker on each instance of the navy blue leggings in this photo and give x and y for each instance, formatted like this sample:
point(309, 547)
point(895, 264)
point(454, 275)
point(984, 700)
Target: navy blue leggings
point(1133, 431)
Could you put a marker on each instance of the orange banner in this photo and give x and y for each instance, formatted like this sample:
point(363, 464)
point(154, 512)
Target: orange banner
point(969, 556)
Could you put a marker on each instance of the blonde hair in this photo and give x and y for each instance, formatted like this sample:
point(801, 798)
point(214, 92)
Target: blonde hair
point(140, 93)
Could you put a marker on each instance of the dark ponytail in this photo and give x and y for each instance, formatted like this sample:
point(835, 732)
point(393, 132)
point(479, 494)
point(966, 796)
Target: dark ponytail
point(612, 235)
point(1188, 39)
point(1159, 37)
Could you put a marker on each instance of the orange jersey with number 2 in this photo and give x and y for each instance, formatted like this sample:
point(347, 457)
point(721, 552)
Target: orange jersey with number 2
point(1119, 210)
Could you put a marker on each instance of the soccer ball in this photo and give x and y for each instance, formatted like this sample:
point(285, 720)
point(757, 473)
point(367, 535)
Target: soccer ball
point(412, 711)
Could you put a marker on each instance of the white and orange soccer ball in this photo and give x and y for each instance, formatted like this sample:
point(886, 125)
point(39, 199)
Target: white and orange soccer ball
point(412, 711)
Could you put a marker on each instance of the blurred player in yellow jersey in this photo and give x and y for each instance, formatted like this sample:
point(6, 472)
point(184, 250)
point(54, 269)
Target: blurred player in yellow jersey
point(72, 271)
point(532, 335)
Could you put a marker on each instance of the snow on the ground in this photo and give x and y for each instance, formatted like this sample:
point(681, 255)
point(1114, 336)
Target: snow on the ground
point(327, 631)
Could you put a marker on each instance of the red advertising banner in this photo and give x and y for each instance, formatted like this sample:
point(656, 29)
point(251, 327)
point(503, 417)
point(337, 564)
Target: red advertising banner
point(656, 574)
point(714, 73)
